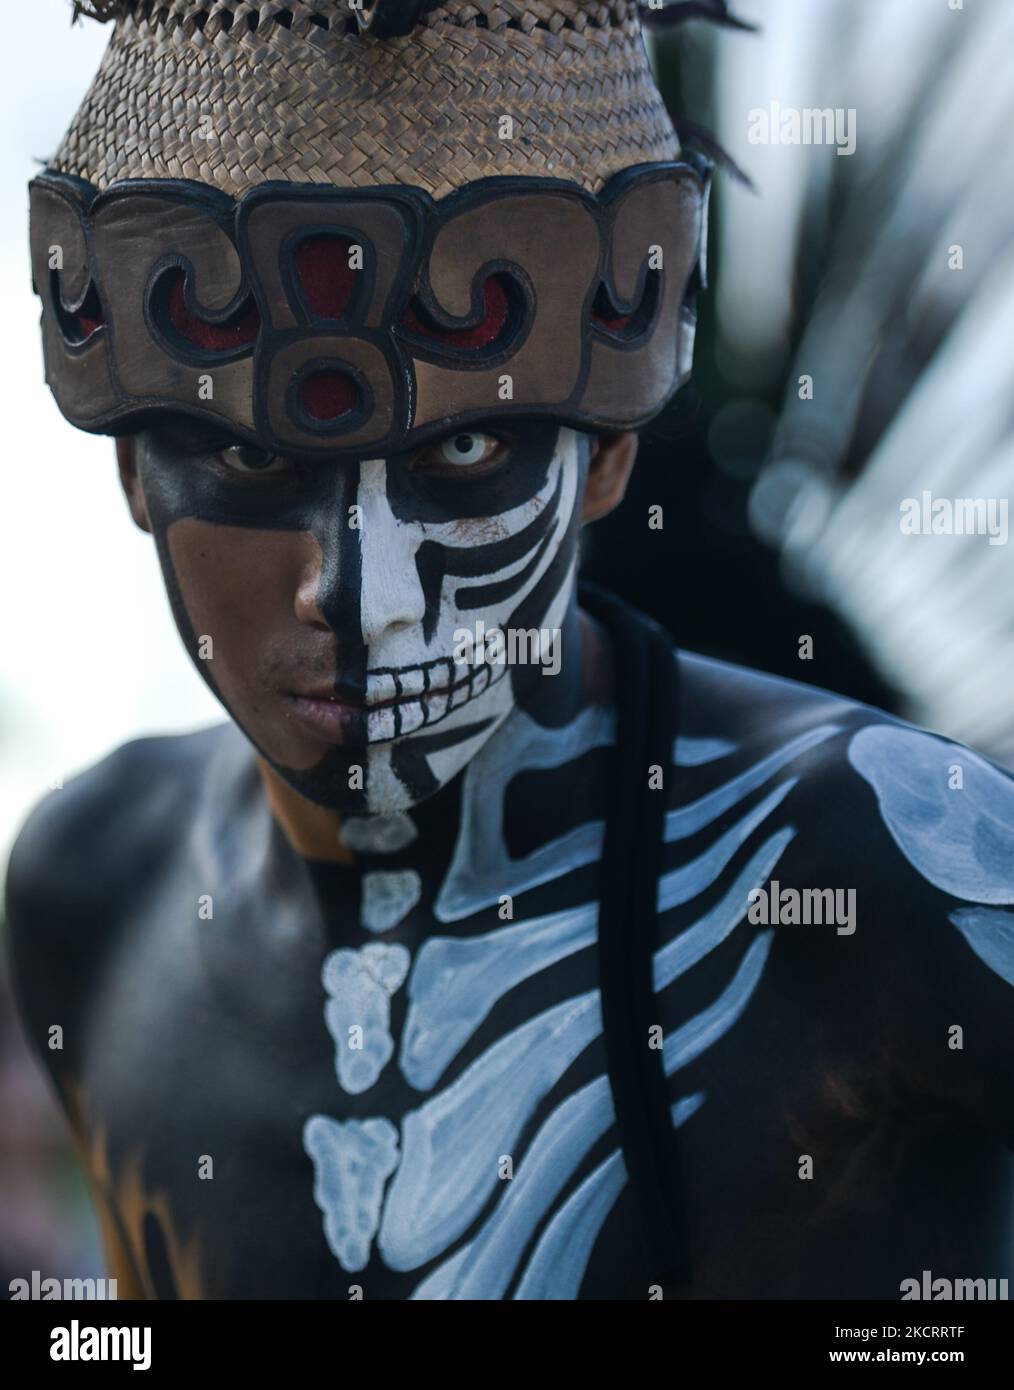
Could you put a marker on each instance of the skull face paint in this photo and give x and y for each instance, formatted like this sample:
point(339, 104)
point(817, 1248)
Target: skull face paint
point(323, 601)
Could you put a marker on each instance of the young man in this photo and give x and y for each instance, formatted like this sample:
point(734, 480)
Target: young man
point(407, 981)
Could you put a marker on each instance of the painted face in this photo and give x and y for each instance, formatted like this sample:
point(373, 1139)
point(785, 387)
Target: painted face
point(326, 603)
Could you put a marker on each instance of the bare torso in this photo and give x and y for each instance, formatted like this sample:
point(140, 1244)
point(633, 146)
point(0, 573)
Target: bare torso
point(248, 1143)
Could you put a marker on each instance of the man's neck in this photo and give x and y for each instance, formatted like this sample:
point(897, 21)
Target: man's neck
point(314, 832)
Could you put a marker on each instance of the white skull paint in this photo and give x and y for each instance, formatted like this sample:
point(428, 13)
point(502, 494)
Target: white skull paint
point(492, 568)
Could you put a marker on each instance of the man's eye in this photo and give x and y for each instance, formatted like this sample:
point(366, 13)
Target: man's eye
point(465, 450)
point(250, 461)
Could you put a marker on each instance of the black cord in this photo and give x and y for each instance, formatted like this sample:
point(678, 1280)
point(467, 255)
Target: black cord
point(646, 700)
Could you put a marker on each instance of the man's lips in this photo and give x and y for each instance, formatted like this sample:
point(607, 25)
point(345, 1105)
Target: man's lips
point(384, 689)
point(330, 719)
point(393, 703)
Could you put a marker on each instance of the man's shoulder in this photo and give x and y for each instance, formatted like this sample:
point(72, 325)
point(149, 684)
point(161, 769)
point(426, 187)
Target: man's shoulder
point(862, 778)
point(749, 703)
point(100, 830)
point(85, 861)
point(744, 726)
point(727, 709)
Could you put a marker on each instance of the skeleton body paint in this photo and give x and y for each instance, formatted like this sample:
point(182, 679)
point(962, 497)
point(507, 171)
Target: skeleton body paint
point(413, 1102)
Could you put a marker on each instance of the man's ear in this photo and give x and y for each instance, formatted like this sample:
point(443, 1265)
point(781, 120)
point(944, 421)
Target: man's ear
point(130, 481)
point(608, 473)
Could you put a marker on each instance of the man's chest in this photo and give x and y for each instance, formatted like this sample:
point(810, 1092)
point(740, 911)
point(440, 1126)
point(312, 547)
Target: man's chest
point(432, 1116)
point(377, 1114)
point(408, 1093)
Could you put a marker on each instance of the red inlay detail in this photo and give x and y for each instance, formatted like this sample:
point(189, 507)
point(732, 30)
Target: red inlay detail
point(614, 325)
point(496, 305)
point(88, 326)
point(236, 332)
point(327, 395)
point(326, 278)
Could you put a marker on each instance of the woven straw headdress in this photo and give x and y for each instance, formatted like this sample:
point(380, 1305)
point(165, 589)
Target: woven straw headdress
point(236, 94)
point(272, 217)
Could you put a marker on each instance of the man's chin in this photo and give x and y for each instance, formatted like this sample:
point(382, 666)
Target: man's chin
point(354, 780)
point(371, 764)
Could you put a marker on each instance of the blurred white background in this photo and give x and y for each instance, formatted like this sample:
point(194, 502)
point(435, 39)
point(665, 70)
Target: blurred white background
point(89, 656)
point(841, 268)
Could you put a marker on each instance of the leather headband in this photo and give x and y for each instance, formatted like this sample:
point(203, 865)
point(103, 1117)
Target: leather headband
point(320, 321)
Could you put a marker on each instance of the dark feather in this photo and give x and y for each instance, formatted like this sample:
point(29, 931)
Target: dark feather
point(102, 10)
point(692, 135)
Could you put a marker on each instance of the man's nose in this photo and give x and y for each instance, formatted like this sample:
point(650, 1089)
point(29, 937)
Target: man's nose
point(364, 582)
point(391, 594)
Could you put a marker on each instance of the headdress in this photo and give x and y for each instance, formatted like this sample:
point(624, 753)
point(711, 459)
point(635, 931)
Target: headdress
point(332, 228)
